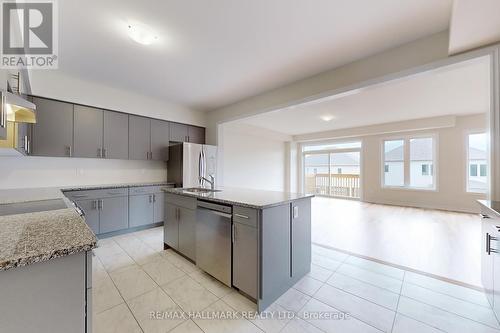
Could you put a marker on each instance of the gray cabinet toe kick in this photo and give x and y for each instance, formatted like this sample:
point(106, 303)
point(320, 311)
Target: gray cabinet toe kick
point(270, 247)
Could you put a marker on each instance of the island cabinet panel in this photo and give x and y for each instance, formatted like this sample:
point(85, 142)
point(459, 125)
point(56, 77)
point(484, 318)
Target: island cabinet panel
point(245, 258)
point(115, 135)
point(301, 237)
point(140, 210)
point(275, 253)
point(89, 207)
point(139, 138)
point(113, 214)
point(160, 138)
point(53, 131)
point(187, 232)
point(46, 297)
point(171, 226)
point(88, 132)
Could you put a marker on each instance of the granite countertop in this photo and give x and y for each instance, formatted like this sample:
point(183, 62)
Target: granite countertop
point(40, 236)
point(35, 237)
point(257, 199)
point(493, 206)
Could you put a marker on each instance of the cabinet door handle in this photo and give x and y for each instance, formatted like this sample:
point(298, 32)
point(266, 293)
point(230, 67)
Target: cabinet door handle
point(154, 197)
point(484, 216)
point(241, 216)
point(99, 152)
point(69, 150)
point(26, 143)
point(103, 152)
point(3, 111)
point(100, 204)
point(94, 204)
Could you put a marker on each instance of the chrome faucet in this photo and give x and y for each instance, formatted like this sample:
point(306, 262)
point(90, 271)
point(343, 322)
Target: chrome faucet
point(211, 181)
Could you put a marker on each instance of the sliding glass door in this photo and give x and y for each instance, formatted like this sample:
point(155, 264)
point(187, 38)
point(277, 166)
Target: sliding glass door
point(332, 170)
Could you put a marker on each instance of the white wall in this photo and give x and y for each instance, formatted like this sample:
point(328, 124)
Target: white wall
point(253, 158)
point(29, 172)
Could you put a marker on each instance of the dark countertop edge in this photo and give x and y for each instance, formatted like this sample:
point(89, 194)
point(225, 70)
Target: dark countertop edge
point(43, 257)
point(109, 186)
point(231, 202)
point(487, 204)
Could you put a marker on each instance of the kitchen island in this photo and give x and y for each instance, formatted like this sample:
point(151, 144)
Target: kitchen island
point(258, 242)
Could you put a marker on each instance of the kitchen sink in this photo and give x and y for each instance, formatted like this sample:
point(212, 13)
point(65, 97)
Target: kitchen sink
point(32, 207)
point(200, 190)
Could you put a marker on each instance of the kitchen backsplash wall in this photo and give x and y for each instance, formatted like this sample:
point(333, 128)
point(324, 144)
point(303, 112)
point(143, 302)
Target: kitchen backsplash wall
point(27, 172)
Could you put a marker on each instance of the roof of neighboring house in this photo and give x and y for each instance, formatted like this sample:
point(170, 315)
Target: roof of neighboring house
point(349, 159)
point(421, 150)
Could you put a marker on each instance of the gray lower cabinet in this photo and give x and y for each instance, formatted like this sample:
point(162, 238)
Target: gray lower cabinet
point(88, 132)
point(139, 138)
point(160, 138)
point(53, 131)
point(141, 210)
point(113, 214)
point(89, 206)
point(178, 132)
point(171, 226)
point(196, 134)
point(300, 228)
point(115, 140)
point(490, 258)
point(159, 207)
point(245, 258)
point(187, 232)
point(47, 297)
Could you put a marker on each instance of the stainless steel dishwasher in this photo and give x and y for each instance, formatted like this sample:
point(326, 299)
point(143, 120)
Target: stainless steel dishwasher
point(213, 240)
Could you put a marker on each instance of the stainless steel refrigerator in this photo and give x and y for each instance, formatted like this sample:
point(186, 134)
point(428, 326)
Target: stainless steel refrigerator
point(187, 162)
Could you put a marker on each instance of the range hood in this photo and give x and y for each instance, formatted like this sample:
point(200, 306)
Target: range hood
point(16, 109)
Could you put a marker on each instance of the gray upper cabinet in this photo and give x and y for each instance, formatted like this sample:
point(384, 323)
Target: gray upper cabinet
point(301, 237)
point(140, 210)
point(115, 143)
point(160, 138)
point(88, 131)
point(139, 137)
point(53, 131)
point(113, 214)
point(245, 258)
point(178, 132)
point(196, 134)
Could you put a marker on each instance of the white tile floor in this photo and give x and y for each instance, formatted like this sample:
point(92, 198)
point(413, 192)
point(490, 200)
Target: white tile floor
point(133, 276)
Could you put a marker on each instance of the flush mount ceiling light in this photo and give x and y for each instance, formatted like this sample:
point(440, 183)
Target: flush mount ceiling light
point(142, 34)
point(327, 117)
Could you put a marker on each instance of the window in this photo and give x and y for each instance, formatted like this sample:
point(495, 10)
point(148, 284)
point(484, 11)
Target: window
point(339, 171)
point(409, 162)
point(394, 163)
point(477, 163)
point(421, 160)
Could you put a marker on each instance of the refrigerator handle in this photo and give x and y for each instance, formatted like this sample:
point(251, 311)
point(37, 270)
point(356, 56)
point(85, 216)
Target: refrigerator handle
point(200, 167)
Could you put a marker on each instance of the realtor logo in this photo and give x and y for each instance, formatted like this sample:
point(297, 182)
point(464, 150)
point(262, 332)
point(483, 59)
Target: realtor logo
point(29, 34)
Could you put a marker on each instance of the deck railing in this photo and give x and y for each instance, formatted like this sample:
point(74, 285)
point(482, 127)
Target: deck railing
point(336, 185)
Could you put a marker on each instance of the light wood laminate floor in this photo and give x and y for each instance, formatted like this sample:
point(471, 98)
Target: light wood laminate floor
point(444, 244)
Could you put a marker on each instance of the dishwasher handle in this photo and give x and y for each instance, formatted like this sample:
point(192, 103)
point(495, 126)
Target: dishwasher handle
point(216, 212)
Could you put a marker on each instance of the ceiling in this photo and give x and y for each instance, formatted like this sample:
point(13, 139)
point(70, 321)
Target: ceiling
point(210, 55)
point(453, 90)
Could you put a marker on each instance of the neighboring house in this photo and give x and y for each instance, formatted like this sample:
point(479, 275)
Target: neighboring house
point(477, 170)
point(342, 163)
point(421, 165)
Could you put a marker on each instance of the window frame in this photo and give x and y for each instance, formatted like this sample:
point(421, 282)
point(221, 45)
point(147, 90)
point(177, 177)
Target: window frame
point(406, 162)
point(478, 166)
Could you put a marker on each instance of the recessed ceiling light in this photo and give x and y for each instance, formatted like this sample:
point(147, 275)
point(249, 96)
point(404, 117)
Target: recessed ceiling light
point(327, 117)
point(142, 34)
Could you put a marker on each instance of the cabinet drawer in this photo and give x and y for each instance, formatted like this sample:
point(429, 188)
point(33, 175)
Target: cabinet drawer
point(245, 215)
point(180, 200)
